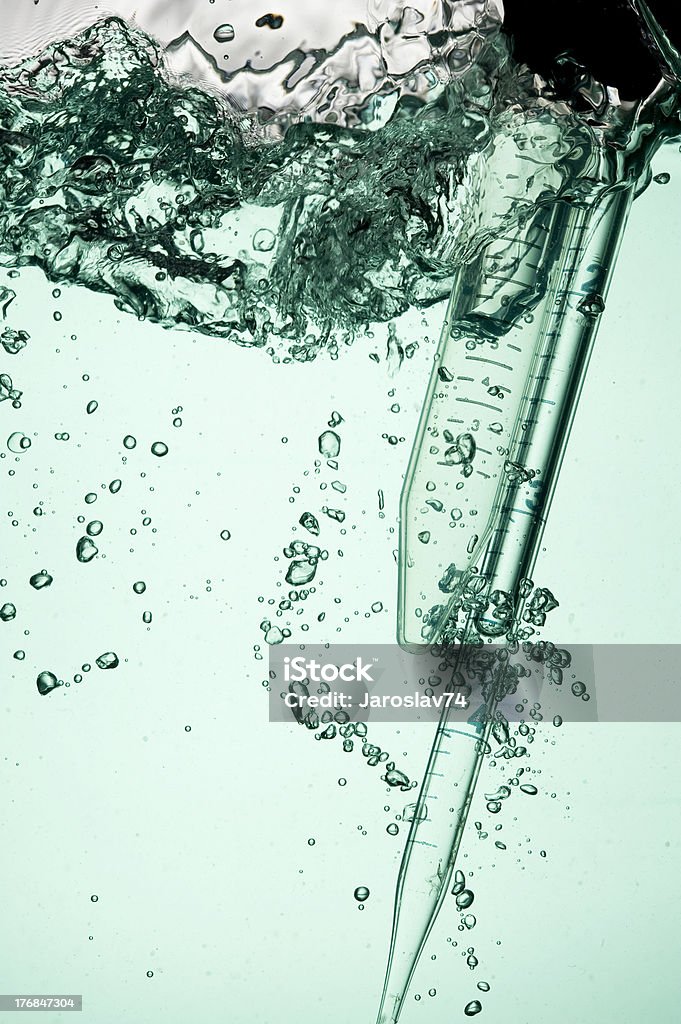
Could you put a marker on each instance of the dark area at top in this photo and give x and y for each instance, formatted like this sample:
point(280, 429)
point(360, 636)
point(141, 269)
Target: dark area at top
point(604, 36)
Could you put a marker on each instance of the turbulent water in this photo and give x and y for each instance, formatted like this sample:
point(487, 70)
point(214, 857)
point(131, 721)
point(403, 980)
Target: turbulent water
point(350, 192)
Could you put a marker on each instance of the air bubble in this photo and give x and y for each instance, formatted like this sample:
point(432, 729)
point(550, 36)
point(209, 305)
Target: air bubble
point(18, 442)
point(41, 579)
point(46, 682)
point(329, 444)
point(264, 240)
point(86, 550)
point(224, 34)
point(464, 899)
point(108, 660)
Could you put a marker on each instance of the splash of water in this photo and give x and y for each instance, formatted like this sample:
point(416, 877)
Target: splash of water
point(350, 192)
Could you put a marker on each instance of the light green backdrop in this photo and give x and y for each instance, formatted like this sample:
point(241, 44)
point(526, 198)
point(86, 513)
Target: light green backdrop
point(196, 843)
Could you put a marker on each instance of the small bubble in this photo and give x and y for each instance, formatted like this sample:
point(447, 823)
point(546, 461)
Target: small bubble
point(591, 306)
point(91, 407)
point(309, 523)
point(310, 842)
point(94, 899)
point(224, 34)
point(86, 550)
point(46, 682)
point(94, 528)
point(187, 728)
point(41, 579)
point(342, 782)
point(150, 974)
point(146, 617)
point(464, 899)
point(115, 486)
point(129, 441)
point(361, 894)
point(159, 448)
point(264, 240)
point(663, 179)
point(18, 442)
point(108, 660)
point(7, 612)
point(472, 1008)
point(329, 444)
point(225, 534)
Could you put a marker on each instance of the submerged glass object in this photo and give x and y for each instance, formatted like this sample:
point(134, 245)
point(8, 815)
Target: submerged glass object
point(496, 419)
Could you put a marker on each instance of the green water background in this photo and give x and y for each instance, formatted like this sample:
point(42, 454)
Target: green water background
point(195, 842)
